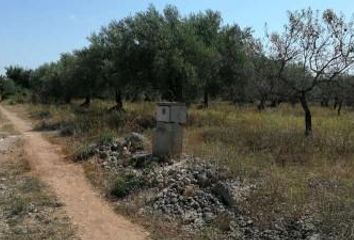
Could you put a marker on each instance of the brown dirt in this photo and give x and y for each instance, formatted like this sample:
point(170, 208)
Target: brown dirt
point(94, 217)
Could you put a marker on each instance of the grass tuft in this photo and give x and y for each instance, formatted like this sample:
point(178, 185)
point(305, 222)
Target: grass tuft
point(123, 186)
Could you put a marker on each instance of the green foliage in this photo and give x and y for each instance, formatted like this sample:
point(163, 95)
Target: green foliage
point(123, 186)
point(154, 55)
point(85, 152)
point(19, 75)
point(105, 138)
point(7, 88)
point(147, 56)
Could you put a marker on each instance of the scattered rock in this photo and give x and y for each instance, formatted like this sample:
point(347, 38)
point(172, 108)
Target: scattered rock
point(67, 130)
point(103, 155)
point(195, 193)
point(134, 142)
point(224, 192)
point(315, 237)
point(189, 191)
point(142, 159)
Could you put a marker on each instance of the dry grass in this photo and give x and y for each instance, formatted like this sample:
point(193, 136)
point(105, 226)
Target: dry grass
point(296, 176)
point(6, 127)
point(87, 125)
point(29, 211)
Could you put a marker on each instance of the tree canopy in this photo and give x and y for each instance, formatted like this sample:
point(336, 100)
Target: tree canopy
point(156, 55)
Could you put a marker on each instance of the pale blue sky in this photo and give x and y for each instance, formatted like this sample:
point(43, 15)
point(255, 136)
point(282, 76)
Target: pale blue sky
point(36, 31)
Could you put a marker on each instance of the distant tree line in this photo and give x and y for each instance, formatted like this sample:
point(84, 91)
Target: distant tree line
point(148, 56)
point(165, 56)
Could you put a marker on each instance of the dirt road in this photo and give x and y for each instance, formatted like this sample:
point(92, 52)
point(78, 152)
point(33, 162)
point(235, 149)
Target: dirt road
point(94, 218)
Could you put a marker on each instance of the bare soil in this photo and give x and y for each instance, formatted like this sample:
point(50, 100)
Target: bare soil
point(93, 216)
point(29, 210)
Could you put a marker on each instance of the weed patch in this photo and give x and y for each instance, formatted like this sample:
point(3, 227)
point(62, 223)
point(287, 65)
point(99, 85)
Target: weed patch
point(125, 185)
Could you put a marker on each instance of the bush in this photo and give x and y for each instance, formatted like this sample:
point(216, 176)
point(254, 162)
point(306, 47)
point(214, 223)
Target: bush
point(67, 130)
point(84, 153)
point(20, 97)
point(7, 88)
point(105, 138)
point(114, 120)
point(123, 186)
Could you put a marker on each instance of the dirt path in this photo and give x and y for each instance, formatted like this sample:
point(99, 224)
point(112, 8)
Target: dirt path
point(95, 218)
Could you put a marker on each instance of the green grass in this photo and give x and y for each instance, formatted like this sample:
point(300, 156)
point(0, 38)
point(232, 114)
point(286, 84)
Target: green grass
point(295, 175)
point(123, 185)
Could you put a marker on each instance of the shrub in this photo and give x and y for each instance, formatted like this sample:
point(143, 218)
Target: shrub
point(105, 138)
point(123, 186)
point(67, 130)
point(114, 120)
point(84, 153)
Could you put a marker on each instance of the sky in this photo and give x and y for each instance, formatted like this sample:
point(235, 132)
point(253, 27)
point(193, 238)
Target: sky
point(33, 32)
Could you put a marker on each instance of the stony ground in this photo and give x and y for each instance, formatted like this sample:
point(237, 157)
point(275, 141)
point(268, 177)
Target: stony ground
point(93, 218)
point(298, 187)
point(199, 198)
point(27, 209)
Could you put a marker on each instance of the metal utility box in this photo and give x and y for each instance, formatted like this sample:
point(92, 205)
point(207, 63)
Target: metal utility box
point(171, 112)
point(168, 139)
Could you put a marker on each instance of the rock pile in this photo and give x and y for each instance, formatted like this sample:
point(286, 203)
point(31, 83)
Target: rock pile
point(189, 191)
point(193, 192)
point(113, 152)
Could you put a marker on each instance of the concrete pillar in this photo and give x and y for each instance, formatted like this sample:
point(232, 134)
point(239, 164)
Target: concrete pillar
point(168, 138)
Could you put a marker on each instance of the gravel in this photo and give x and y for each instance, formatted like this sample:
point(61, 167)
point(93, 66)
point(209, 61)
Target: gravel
point(195, 193)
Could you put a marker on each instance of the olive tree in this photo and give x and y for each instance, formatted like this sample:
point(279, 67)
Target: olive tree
point(322, 45)
point(19, 75)
point(7, 87)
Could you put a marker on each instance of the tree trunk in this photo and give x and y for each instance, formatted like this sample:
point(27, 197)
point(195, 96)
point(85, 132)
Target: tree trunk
point(68, 99)
point(274, 103)
point(179, 95)
point(119, 101)
point(335, 103)
point(307, 112)
point(206, 99)
point(87, 102)
point(177, 91)
point(340, 103)
point(261, 105)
